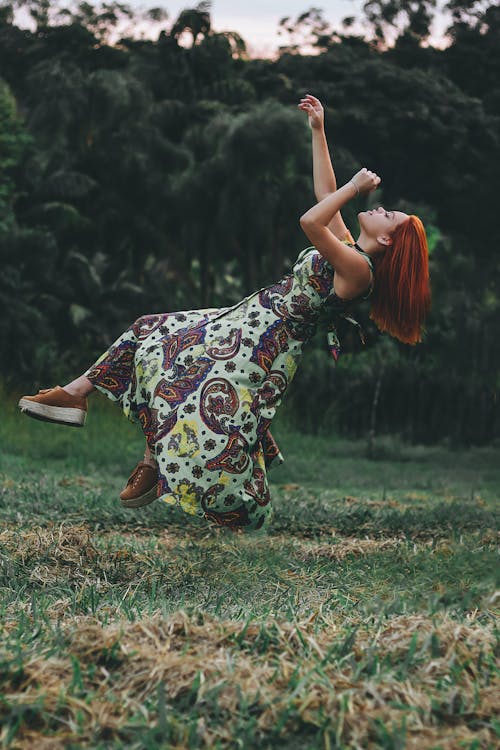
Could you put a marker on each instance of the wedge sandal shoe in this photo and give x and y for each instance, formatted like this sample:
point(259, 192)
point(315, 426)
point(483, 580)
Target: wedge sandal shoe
point(56, 405)
point(141, 486)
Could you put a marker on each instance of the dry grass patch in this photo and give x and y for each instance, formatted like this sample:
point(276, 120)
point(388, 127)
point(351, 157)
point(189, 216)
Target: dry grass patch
point(340, 548)
point(345, 677)
point(77, 546)
point(59, 543)
point(293, 675)
point(67, 552)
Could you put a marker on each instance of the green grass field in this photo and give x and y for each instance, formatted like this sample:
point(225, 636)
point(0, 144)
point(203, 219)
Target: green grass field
point(364, 617)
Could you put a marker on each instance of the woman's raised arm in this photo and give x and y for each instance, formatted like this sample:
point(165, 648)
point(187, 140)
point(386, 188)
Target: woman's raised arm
point(347, 264)
point(323, 173)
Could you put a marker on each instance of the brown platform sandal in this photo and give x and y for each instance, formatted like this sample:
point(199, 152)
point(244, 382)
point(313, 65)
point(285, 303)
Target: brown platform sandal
point(55, 405)
point(141, 486)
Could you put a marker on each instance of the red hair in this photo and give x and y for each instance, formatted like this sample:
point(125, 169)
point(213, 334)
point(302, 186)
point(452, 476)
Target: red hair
point(401, 296)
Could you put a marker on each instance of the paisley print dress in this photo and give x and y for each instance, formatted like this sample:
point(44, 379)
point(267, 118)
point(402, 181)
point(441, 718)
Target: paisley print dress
point(205, 384)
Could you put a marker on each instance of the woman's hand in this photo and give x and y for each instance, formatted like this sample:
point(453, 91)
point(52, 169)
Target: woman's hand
point(366, 181)
point(314, 110)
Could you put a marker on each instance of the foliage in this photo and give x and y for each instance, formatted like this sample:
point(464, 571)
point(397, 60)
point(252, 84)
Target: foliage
point(144, 176)
point(13, 142)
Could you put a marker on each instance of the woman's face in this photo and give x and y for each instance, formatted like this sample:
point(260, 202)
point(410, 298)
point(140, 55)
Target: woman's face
point(380, 222)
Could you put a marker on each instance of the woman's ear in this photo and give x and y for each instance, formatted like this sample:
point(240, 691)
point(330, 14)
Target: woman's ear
point(385, 240)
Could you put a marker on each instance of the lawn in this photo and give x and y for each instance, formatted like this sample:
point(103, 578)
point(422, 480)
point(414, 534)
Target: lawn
point(363, 617)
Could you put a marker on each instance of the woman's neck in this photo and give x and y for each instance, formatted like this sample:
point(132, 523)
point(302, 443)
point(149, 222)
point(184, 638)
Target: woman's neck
point(368, 245)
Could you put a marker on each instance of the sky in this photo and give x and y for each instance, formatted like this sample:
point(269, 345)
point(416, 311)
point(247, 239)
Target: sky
point(257, 20)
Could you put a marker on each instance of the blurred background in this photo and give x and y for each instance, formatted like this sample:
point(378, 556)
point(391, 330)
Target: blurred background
point(154, 159)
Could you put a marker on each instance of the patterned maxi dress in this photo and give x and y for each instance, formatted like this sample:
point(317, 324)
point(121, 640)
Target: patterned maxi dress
point(205, 385)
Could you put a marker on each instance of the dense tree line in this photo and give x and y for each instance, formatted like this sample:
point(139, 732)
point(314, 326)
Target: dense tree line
point(145, 176)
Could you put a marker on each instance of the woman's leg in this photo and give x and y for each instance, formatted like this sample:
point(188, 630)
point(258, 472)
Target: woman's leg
point(148, 457)
point(141, 487)
point(79, 387)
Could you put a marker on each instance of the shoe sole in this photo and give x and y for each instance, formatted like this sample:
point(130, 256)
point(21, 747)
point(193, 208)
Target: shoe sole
point(138, 502)
point(59, 414)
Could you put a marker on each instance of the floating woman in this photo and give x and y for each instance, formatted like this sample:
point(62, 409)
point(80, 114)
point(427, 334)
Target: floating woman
point(205, 384)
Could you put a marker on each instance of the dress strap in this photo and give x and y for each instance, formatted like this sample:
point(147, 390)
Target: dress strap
point(372, 269)
point(303, 253)
point(365, 255)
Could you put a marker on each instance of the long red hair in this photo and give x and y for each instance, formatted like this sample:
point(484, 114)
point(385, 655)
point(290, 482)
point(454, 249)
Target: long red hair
point(401, 297)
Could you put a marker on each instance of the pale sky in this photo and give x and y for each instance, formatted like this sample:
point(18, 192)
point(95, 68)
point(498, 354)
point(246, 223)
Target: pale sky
point(257, 20)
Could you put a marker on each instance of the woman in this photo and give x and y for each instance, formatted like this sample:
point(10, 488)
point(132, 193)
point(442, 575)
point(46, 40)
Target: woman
point(205, 384)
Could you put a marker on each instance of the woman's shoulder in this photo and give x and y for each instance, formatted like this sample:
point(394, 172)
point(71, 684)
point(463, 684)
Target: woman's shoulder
point(311, 250)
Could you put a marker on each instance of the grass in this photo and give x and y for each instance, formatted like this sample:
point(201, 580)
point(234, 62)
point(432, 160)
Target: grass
point(364, 617)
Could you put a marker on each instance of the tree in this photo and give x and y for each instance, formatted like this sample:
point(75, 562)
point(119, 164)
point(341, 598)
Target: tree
point(194, 20)
point(160, 177)
point(309, 29)
point(408, 17)
point(13, 143)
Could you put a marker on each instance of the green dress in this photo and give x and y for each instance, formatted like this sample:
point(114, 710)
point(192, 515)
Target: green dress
point(205, 385)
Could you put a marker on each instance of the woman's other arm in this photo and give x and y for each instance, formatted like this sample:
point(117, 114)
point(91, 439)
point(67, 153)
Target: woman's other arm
point(323, 174)
point(348, 265)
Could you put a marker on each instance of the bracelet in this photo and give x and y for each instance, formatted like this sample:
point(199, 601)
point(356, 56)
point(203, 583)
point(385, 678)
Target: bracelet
point(357, 189)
